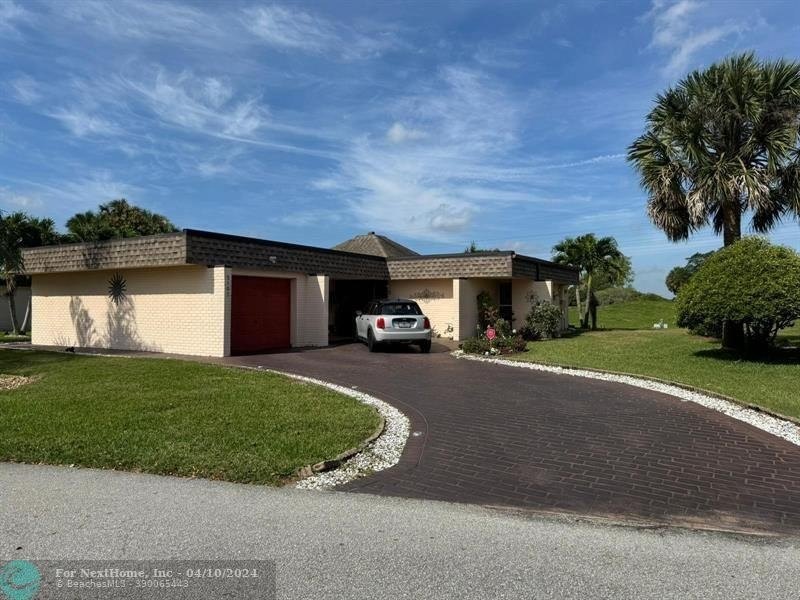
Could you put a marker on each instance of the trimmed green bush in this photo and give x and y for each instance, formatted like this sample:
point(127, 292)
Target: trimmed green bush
point(500, 345)
point(750, 282)
point(542, 322)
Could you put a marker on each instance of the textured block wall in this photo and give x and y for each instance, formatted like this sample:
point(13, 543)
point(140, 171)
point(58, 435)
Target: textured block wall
point(435, 298)
point(172, 309)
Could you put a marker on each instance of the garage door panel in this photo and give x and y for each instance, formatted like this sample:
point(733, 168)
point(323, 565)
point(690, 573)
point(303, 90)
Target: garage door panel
point(260, 314)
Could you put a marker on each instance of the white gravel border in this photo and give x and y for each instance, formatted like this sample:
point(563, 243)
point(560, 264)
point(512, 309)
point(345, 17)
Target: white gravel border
point(380, 454)
point(779, 427)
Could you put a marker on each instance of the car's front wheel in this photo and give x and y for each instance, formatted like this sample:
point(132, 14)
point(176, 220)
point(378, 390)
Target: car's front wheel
point(425, 346)
point(371, 343)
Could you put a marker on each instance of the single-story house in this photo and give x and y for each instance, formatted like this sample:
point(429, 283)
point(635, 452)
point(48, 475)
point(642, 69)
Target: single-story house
point(211, 294)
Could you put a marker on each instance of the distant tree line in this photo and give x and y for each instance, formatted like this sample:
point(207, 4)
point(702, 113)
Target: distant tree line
point(18, 230)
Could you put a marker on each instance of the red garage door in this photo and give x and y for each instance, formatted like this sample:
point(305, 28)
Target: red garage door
point(260, 314)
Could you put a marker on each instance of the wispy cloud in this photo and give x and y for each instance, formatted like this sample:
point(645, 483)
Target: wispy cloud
point(428, 189)
point(587, 161)
point(294, 29)
point(26, 90)
point(399, 133)
point(311, 217)
point(199, 104)
point(11, 16)
point(126, 19)
point(10, 199)
point(678, 31)
point(80, 123)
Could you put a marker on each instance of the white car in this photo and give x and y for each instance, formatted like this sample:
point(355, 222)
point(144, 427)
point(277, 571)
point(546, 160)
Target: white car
point(395, 322)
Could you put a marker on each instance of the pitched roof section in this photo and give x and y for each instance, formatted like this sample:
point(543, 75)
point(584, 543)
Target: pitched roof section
point(192, 247)
point(375, 245)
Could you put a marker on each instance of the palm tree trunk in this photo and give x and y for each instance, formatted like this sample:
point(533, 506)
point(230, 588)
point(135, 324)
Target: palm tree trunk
point(26, 319)
point(732, 228)
point(585, 320)
point(578, 299)
point(12, 309)
point(732, 331)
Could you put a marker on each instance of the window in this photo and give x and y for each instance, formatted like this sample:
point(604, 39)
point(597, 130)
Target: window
point(505, 300)
point(401, 308)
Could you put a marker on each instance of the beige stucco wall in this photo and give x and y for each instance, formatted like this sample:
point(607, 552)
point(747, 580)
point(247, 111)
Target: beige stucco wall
point(172, 309)
point(435, 298)
point(309, 305)
point(542, 291)
point(466, 291)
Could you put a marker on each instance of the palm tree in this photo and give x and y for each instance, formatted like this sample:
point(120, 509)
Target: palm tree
point(17, 231)
point(593, 257)
point(720, 144)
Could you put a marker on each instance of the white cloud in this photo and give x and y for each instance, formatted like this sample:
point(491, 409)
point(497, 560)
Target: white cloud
point(434, 188)
point(312, 217)
point(399, 133)
point(25, 202)
point(200, 104)
point(678, 29)
point(80, 123)
point(145, 20)
point(26, 90)
point(294, 29)
point(11, 15)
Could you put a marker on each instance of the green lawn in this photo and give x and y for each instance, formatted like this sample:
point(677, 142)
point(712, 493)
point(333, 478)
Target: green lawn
point(172, 417)
point(7, 337)
point(631, 346)
point(639, 314)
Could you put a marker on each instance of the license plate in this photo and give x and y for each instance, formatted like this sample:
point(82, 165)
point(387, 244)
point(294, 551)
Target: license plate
point(404, 325)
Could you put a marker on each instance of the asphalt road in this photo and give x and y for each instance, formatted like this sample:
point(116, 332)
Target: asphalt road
point(340, 545)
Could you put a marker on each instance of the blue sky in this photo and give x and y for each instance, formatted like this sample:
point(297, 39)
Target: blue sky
point(435, 123)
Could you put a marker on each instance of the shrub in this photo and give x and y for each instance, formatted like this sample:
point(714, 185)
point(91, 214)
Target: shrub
point(750, 282)
point(542, 322)
point(503, 328)
point(475, 345)
point(488, 311)
point(500, 345)
point(514, 343)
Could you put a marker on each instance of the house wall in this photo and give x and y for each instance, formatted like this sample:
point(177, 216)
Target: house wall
point(436, 299)
point(309, 305)
point(466, 291)
point(543, 291)
point(165, 309)
point(21, 298)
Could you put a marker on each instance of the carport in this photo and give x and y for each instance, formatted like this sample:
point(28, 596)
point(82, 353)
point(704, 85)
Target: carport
point(346, 297)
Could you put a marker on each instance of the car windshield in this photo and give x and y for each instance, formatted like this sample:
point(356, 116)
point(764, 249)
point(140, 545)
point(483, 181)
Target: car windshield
point(401, 308)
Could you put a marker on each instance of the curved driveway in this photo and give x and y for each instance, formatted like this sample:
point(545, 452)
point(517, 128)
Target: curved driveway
point(494, 435)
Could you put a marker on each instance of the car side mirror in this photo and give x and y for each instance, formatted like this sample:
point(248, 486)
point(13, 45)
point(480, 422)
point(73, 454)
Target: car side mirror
point(358, 313)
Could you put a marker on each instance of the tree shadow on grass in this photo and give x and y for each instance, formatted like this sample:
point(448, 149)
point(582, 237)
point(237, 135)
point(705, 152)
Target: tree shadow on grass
point(777, 356)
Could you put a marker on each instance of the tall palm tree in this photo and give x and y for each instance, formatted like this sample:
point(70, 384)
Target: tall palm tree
point(17, 231)
point(592, 256)
point(721, 144)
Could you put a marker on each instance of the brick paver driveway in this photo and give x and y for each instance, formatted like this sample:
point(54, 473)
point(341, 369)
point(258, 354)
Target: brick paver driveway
point(511, 437)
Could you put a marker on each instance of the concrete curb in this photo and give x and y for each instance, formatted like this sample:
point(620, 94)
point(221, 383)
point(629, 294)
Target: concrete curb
point(336, 461)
